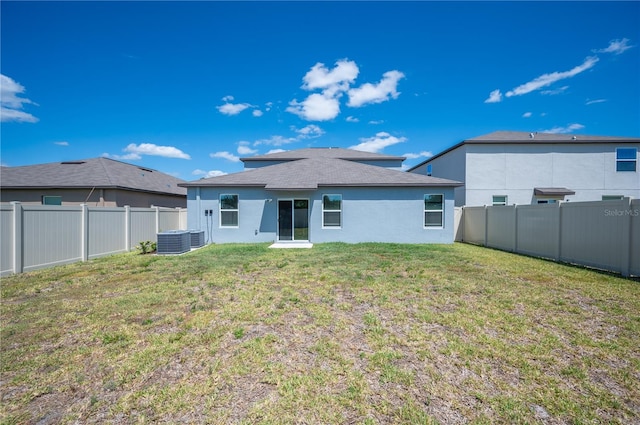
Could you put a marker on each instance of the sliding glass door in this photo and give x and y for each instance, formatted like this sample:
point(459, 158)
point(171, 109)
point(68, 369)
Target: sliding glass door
point(293, 220)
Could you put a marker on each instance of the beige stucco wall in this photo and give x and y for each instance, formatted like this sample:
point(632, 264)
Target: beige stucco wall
point(95, 198)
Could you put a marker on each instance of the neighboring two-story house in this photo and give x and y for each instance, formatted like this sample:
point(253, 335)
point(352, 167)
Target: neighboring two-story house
point(505, 168)
point(322, 195)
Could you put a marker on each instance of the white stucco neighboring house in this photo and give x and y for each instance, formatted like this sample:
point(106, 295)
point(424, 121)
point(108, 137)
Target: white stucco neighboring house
point(507, 167)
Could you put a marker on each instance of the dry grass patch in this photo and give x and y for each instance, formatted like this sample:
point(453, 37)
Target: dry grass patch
point(364, 334)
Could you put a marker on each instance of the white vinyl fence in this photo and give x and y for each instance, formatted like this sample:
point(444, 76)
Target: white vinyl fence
point(603, 234)
point(39, 236)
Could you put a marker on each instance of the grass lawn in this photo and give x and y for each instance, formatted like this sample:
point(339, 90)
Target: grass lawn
point(337, 334)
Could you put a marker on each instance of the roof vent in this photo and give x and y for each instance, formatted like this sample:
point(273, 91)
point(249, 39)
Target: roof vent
point(146, 169)
point(72, 162)
point(531, 135)
point(574, 138)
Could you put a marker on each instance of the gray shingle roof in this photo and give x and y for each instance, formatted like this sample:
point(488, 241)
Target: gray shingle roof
point(311, 173)
point(338, 153)
point(522, 136)
point(89, 173)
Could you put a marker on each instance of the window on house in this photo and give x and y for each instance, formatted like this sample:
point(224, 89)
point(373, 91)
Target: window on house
point(331, 210)
point(547, 201)
point(52, 200)
point(612, 197)
point(499, 200)
point(433, 210)
point(229, 210)
point(428, 169)
point(626, 159)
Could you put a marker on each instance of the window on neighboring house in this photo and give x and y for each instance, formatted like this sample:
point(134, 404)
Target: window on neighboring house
point(499, 200)
point(547, 201)
point(612, 197)
point(428, 169)
point(433, 210)
point(229, 210)
point(332, 211)
point(52, 200)
point(626, 159)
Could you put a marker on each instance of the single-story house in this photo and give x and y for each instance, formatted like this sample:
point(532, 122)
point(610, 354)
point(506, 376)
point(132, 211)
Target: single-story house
point(322, 195)
point(511, 167)
point(100, 182)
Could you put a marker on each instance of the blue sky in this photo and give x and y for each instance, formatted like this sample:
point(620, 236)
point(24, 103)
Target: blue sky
point(188, 88)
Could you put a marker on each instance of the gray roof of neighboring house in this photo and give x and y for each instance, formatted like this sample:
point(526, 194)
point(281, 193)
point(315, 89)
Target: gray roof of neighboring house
point(90, 173)
point(526, 137)
point(523, 137)
point(338, 153)
point(311, 173)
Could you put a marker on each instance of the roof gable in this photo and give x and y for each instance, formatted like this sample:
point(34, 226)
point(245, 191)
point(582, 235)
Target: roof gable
point(94, 172)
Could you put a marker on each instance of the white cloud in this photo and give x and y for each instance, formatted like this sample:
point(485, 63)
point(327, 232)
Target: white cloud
point(376, 122)
point(309, 132)
point(11, 104)
point(276, 141)
point(275, 151)
point(555, 91)
point(547, 79)
point(320, 77)
point(591, 102)
point(225, 155)
point(244, 149)
point(135, 151)
point(352, 119)
point(616, 47)
point(227, 99)
point(129, 156)
point(494, 97)
point(376, 93)
point(61, 143)
point(334, 83)
point(527, 115)
point(377, 143)
point(257, 113)
point(563, 130)
point(207, 174)
point(232, 108)
point(316, 107)
point(423, 154)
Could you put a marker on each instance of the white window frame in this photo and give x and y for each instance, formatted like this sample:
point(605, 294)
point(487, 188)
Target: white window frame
point(426, 211)
point(495, 204)
point(221, 210)
point(331, 226)
point(548, 200)
point(627, 160)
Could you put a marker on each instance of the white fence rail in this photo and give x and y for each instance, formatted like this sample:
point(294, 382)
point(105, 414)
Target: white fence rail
point(39, 236)
point(603, 234)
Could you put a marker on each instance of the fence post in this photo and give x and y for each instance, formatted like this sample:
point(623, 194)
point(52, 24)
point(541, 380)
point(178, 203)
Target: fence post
point(18, 261)
point(625, 260)
point(84, 234)
point(558, 253)
point(486, 226)
point(515, 228)
point(127, 228)
point(157, 218)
